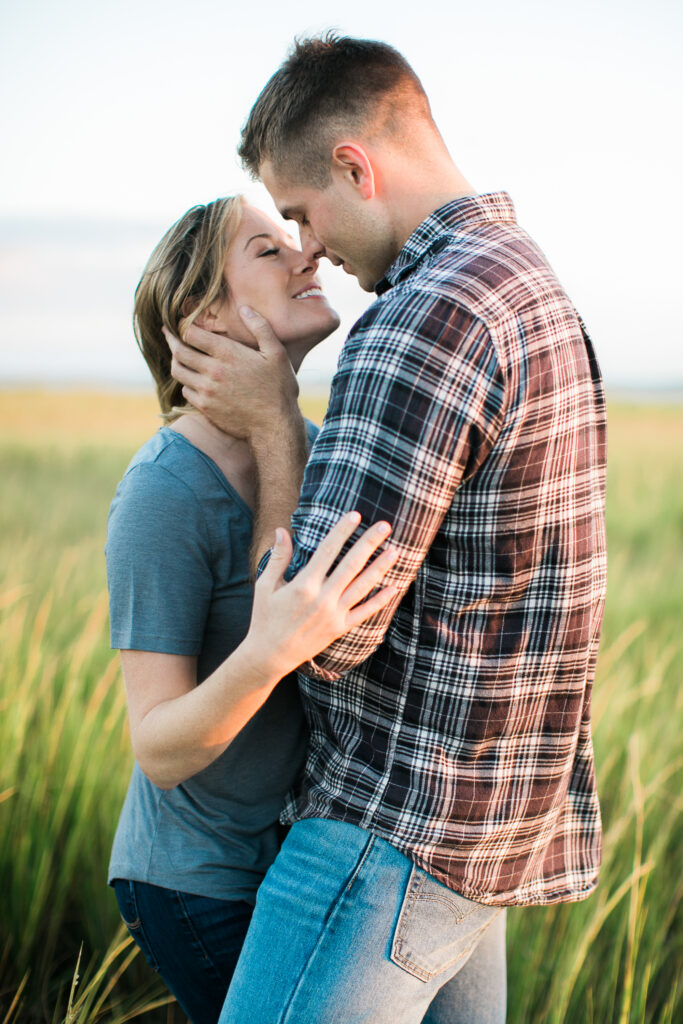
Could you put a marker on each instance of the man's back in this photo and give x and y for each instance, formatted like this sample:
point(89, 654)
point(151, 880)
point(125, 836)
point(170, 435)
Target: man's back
point(467, 410)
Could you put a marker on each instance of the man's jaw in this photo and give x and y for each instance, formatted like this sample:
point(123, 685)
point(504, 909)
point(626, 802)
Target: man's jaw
point(337, 261)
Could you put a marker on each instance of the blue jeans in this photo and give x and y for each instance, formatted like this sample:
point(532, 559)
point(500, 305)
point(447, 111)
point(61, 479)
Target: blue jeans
point(347, 930)
point(193, 942)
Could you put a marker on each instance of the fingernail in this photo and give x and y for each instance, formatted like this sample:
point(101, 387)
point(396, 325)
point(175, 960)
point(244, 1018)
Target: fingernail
point(354, 517)
point(278, 536)
point(384, 529)
point(247, 311)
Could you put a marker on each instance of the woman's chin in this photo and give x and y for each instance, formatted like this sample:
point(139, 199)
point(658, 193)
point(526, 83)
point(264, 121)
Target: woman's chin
point(300, 346)
point(298, 352)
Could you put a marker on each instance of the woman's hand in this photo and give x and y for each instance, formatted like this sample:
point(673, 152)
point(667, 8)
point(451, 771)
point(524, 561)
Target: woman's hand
point(292, 622)
point(178, 728)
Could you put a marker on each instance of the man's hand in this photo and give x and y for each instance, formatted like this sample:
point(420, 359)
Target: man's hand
point(247, 392)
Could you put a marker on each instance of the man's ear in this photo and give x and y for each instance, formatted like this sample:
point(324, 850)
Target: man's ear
point(354, 165)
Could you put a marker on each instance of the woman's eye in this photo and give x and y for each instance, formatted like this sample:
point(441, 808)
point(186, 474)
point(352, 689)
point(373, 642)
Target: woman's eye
point(269, 252)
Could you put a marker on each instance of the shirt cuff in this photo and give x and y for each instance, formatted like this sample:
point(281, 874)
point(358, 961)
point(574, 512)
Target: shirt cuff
point(265, 558)
point(315, 671)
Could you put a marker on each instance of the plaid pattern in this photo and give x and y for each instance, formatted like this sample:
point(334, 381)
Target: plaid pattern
point(468, 410)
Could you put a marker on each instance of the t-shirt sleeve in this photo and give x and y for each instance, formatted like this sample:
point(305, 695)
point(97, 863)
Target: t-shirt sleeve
point(158, 564)
point(312, 431)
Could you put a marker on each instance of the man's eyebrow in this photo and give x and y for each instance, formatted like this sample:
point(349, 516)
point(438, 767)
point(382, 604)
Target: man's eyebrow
point(253, 237)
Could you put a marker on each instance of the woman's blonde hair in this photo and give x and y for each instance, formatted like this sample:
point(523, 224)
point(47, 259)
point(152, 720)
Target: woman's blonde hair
point(183, 277)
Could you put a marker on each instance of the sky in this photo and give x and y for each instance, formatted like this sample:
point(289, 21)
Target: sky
point(117, 117)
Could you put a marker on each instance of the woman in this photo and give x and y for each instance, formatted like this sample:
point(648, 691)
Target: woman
point(199, 826)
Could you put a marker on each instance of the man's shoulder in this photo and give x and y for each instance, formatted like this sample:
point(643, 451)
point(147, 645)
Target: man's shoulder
point(487, 271)
point(419, 303)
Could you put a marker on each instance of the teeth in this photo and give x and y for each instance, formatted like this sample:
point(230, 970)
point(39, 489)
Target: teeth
point(308, 293)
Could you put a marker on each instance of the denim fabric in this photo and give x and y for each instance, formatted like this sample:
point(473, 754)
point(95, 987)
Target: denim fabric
point(347, 929)
point(192, 941)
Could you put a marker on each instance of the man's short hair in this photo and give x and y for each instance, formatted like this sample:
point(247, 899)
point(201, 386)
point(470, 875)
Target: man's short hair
point(329, 85)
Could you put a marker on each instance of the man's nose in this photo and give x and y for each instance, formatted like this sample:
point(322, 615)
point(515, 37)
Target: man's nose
point(310, 246)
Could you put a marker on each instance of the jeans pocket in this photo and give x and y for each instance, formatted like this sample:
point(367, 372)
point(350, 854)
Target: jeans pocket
point(437, 928)
point(128, 908)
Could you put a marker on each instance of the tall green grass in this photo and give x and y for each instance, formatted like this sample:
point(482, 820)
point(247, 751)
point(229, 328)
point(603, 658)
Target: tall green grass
point(65, 755)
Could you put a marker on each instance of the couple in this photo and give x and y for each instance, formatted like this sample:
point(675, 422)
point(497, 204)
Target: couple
point(448, 768)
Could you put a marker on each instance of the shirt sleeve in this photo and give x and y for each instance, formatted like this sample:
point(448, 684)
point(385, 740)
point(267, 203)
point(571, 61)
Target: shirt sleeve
point(415, 408)
point(158, 564)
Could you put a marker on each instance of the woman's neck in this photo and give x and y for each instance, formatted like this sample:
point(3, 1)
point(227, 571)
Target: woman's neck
point(232, 455)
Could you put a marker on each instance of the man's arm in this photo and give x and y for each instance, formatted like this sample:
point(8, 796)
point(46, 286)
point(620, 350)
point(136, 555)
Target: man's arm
point(415, 408)
point(280, 451)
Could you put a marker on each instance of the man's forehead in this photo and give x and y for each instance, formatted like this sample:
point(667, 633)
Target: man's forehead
point(288, 196)
point(275, 181)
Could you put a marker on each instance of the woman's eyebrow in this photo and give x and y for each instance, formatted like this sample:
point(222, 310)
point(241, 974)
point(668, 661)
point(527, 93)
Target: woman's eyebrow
point(265, 235)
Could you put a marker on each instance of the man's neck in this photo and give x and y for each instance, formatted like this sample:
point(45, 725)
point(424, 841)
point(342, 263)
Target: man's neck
point(418, 195)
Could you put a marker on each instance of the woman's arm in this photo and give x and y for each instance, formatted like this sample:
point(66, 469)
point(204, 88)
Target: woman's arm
point(178, 728)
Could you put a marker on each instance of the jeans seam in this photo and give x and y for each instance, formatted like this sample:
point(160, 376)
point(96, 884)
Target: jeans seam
point(137, 930)
point(414, 895)
point(446, 900)
point(137, 923)
point(346, 888)
point(194, 935)
point(422, 973)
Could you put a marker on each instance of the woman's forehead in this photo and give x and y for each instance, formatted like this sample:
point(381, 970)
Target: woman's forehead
point(256, 221)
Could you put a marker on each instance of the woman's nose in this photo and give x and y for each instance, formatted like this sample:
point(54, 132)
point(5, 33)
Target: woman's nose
point(304, 264)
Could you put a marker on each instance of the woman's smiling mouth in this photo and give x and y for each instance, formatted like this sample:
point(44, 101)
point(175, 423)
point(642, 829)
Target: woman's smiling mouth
point(314, 292)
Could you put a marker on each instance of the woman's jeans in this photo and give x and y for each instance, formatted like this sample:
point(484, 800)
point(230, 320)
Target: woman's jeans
point(192, 941)
point(347, 929)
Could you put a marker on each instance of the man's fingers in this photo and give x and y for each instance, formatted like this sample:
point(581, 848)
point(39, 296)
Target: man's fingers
point(185, 375)
point(179, 349)
point(203, 341)
point(192, 396)
point(268, 341)
point(186, 353)
point(366, 581)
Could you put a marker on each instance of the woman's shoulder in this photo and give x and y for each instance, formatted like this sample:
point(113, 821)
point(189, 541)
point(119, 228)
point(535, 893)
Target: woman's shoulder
point(312, 431)
point(162, 485)
point(172, 489)
point(168, 464)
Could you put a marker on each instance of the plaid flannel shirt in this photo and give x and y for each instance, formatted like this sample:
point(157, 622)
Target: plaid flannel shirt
point(467, 409)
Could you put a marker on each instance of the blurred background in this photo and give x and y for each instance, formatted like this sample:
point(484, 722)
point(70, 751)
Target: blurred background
point(117, 117)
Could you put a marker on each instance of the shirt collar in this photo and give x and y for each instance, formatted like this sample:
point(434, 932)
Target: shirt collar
point(432, 234)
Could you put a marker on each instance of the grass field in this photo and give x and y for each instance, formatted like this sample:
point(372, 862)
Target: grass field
point(65, 751)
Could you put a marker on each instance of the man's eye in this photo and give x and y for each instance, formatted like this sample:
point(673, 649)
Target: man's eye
point(269, 252)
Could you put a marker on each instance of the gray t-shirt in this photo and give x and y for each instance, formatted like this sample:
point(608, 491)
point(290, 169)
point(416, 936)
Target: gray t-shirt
point(177, 552)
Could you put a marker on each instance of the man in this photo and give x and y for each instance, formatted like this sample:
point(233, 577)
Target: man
point(450, 768)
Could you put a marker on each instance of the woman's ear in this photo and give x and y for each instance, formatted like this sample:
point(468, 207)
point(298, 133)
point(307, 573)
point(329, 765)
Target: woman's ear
point(213, 318)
